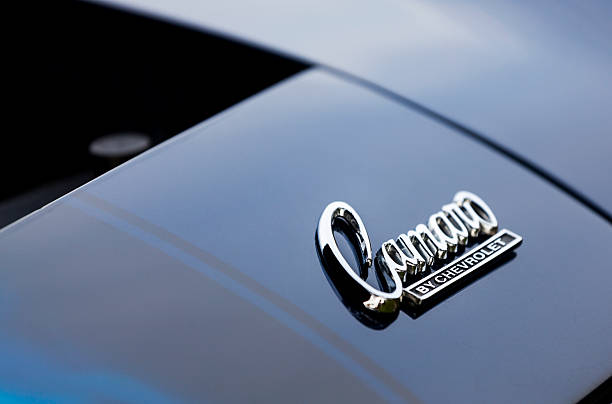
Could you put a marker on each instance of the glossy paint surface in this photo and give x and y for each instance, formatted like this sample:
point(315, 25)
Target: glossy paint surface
point(190, 273)
point(533, 76)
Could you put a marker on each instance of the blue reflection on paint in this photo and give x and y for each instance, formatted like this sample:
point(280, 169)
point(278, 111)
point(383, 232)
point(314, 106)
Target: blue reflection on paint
point(29, 376)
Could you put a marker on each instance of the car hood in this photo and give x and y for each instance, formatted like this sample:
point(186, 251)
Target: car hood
point(190, 273)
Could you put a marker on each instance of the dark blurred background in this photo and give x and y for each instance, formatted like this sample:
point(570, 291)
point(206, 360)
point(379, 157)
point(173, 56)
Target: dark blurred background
point(89, 87)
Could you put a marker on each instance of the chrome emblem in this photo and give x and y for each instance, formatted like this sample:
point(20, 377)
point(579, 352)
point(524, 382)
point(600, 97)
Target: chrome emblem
point(413, 270)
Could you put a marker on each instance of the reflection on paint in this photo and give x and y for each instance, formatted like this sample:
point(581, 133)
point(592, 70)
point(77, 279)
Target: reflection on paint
point(28, 375)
